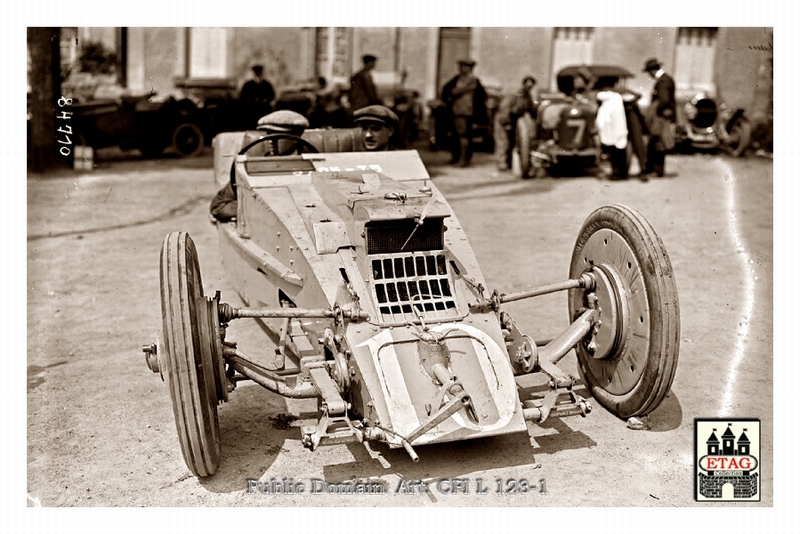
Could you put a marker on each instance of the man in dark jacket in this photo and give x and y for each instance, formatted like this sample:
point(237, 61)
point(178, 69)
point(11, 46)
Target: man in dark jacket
point(256, 98)
point(660, 118)
point(362, 88)
point(512, 109)
point(465, 97)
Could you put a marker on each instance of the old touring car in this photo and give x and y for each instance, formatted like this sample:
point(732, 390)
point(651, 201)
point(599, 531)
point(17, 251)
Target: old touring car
point(563, 137)
point(361, 269)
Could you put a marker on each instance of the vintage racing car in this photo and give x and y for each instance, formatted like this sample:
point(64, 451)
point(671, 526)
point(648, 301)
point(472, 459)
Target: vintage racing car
point(563, 138)
point(360, 268)
point(704, 123)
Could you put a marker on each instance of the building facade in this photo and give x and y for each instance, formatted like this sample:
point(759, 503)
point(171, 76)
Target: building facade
point(735, 62)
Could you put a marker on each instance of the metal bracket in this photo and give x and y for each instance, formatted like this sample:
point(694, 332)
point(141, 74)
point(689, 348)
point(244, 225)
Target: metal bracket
point(331, 430)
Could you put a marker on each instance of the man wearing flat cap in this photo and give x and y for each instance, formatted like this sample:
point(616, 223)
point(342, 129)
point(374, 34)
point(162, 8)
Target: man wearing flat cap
point(224, 205)
point(377, 126)
point(660, 119)
point(362, 88)
point(465, 98)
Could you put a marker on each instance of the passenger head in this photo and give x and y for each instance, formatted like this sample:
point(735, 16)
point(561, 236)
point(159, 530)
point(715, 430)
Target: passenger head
point(283, 122)
point(258, 70)
point(377, 125)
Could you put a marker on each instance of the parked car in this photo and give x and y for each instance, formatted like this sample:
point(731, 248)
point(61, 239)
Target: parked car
point(218, 108)
point(359, 267)
point(705, 123)
point(328, 106)
point(141, 122)
point(563, 137)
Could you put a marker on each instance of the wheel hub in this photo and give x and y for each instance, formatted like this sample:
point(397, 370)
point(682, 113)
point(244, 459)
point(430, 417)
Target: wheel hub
point(612, 303)
point(617, 352)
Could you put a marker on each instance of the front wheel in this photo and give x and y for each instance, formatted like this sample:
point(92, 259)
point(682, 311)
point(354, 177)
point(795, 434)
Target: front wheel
point(525, 128)
point(190, 354)
point(629, 361)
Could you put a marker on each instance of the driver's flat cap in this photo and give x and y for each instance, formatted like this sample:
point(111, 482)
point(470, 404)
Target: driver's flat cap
point(376, 113)
point(283, 121)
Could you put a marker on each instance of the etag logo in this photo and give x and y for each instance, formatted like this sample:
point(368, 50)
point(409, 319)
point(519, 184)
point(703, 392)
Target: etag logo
point(727, 460)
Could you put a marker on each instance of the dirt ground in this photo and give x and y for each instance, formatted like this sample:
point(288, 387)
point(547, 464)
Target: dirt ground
point(100, 430)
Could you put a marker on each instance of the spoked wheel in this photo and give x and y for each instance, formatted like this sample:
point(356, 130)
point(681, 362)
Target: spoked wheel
point(630, 361)
point(739, 138)
point(523, 140)
point(192, 354)
point(188, 140)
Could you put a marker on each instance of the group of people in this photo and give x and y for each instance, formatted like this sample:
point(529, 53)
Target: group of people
point(377, 125)
point(619, 121)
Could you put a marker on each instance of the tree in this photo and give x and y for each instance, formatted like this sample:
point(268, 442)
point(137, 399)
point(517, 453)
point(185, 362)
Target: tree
point(45, 87)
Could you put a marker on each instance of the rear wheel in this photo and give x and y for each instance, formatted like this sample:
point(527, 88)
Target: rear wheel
point(188, 140)
point(629, 363)
point(189, 354)
point(739, 138)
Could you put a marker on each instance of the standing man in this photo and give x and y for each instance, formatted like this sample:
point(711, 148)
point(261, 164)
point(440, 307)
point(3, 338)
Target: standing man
point(660, 119)
point(256, 96)
point(466, 98)
point(518, 104)
point(377, 125)
point(362, 88)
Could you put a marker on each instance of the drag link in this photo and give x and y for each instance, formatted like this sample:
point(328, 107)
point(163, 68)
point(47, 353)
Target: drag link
point(585, 281)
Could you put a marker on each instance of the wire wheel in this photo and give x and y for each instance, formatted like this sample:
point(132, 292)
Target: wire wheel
point(629, 362)
point(188, 140)
point(189, 354)
point(739, 138)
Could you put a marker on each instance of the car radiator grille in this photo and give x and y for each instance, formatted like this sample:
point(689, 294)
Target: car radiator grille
point(706, 113)
point(402, 283)
point(403, 235)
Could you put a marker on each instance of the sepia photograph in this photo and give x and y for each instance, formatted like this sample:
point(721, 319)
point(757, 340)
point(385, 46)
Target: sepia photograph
point(435, 265)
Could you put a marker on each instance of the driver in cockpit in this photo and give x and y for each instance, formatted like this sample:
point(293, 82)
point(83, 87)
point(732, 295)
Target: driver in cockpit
point(224, 205)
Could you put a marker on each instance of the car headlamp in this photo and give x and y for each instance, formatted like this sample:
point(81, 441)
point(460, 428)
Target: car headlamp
point(690, 110)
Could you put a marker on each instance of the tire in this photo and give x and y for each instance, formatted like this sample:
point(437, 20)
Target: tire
point(189, 361)
point(632, 366)
point(740, 136)
point(188, 140)
point(524, 132)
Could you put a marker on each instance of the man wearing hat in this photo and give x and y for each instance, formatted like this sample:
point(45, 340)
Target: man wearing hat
point(224, 205)
point(256, 98)
point(660, 119)
point(362, 88)
point(465, 97)
point(377, 125)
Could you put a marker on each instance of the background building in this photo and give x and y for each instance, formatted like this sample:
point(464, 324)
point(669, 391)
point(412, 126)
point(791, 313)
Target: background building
point(734, 61)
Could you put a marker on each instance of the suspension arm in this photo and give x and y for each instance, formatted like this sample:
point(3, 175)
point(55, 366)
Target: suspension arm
point(268, 379)
point(228, 313)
